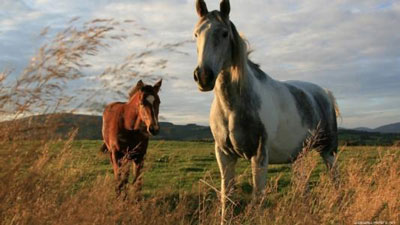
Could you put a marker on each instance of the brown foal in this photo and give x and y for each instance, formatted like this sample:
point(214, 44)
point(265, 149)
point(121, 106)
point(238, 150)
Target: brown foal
point(127, 127)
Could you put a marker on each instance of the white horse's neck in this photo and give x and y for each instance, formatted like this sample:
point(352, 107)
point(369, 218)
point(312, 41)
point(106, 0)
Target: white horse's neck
point(230, 93)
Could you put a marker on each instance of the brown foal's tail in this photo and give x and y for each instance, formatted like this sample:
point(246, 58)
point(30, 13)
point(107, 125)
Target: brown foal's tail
point(104, 148)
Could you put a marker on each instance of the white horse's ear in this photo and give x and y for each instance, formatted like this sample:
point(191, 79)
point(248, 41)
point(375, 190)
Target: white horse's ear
point(201, 8)
point(225, 8)
point(157, 86)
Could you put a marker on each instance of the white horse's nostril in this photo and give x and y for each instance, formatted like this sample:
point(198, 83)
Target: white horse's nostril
point(196, 74)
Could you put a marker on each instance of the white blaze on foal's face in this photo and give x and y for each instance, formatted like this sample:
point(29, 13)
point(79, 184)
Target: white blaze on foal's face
point(150, 99)
point(149, 106)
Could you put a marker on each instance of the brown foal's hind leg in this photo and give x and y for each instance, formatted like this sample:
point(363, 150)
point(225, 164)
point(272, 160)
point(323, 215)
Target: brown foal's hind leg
point(116, 169)
point(114, 162)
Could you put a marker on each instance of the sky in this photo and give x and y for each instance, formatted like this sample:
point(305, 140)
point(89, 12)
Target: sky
point(349, 47)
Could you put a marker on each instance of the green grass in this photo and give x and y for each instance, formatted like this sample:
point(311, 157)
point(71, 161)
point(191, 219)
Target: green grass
point(45, 180)
point(175, 166)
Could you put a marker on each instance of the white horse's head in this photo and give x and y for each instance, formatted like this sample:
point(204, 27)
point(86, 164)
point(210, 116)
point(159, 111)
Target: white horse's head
point(219, 45)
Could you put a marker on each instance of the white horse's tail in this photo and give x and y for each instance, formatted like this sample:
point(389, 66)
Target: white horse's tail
point(335, 105)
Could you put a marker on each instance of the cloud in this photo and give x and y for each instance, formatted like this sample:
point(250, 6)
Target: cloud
point(349, 47)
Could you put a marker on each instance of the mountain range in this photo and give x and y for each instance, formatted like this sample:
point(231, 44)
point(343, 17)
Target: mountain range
point(89, 127)
point(389, 128)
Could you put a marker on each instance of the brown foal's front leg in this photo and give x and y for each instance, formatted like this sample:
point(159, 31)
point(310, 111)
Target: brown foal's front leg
point(137, 167)
point(124, 173)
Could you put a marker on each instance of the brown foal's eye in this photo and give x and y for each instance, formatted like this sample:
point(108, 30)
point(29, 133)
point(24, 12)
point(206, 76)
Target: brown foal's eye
point(195, 35)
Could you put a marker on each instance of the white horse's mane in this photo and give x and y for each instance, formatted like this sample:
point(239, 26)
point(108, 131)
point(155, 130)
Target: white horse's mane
point(239, 56)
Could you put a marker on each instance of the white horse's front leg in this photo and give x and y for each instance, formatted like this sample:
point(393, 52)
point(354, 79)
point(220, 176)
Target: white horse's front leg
point(259, 167)
point(226, 165)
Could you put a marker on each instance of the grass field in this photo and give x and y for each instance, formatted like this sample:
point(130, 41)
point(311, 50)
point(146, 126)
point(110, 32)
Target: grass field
point(71, 182)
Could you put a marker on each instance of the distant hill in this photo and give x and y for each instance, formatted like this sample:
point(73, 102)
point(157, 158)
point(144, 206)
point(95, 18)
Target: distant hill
point(364, 129)
point(89, 127)
point(53, 126)
point(359, 137)
point(389, 128)
point(189, 132)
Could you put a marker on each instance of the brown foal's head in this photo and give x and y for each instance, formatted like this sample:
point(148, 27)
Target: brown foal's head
point(149, 105)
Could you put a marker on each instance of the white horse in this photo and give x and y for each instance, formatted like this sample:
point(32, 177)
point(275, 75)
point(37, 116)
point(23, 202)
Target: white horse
point(252, 115)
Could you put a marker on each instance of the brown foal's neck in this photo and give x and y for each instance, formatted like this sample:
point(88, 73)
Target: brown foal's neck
point(131, 113)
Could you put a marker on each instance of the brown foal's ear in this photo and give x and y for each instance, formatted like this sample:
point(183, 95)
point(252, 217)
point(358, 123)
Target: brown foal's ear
point(140, 84)
point(137, 88)
point(157, 86)
point(225, 8)
point(201, 8)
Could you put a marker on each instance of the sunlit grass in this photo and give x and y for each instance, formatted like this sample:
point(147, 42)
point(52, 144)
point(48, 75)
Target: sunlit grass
point(44, 181)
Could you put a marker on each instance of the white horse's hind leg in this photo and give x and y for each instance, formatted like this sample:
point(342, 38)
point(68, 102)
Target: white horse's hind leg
point(329, 159)
point(259, 166)
point(226, 165)
point(331, 164)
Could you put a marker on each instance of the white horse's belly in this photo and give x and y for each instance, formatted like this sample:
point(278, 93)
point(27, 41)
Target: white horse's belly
point(285, 131)
point(285, 146)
